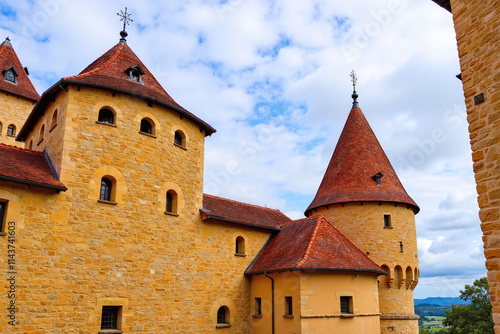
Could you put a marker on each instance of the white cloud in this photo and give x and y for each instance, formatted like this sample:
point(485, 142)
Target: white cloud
point(273, 78)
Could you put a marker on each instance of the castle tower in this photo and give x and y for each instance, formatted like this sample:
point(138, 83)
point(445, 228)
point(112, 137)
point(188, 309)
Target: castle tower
point(17, 94)
point(363, 197)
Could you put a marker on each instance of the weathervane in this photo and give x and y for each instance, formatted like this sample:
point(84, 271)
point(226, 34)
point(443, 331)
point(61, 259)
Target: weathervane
point(354, 95)
point(125, 17)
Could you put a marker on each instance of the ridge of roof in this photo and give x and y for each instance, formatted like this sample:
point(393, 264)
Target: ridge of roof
point(23, 86)
point(351, 173)
point(311, 242)
point(243, 203)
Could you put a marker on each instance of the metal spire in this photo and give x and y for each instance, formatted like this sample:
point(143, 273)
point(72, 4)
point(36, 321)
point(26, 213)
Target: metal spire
point(125, 17)
point(354, 95)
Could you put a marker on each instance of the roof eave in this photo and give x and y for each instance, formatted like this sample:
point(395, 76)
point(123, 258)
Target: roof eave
point(444, 3)
point(415, 208)
point(32, 183)
point(372, 271)
point(208, 217)
point(19, 95)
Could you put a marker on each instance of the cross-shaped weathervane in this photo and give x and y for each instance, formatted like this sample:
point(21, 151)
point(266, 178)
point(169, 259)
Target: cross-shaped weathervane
point(125, 17)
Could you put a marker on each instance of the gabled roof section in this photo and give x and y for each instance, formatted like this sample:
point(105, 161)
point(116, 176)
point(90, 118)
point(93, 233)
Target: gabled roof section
point(226, 210)
point(109, 72)
point(311, 244)
point(351, 175)
point(27, 167)
point(23, 86)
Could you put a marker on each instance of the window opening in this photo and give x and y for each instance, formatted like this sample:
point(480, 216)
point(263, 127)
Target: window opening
point(288, 306)
point(135, 73)
point(105, 194)
point(171, 202)
point(345, 305)
point(53, 122)
point(377, 178)
point(11, 130)
point(258, 306)
point(3, 209)
point(401, 246)
point(109, 319)
point(106, 116)
point(41, 134)
point(240, 246)
point(146, 127)
point(387, 221)
point(178, 139)
point(10, 75)
point(222, 316)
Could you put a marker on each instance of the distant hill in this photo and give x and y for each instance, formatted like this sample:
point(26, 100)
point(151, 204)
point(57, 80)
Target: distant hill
point(441, 301)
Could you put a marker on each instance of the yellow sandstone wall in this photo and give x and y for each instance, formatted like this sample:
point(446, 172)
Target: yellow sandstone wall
point(477, 25)
point(316, 302)
point(364, 226)
point(169, 272)
point(14, 110)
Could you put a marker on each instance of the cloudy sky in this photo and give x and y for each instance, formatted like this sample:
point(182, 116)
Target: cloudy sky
point(273, 78)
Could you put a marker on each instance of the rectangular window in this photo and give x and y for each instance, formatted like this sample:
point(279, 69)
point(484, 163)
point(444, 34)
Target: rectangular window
point(288, 306)
point(258, 306)
point(387, 221)
point(110, 317)
point(3, 210)
point(346, 305)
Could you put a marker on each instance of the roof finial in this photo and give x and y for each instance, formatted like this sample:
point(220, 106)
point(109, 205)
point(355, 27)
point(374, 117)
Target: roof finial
point(354, 95)
point(125, 17)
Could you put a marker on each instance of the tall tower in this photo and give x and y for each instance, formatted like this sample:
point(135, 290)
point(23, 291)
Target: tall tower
point(17, 94)
point(363, 197)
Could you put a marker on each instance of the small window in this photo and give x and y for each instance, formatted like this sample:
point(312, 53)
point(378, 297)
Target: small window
point(106, 116)
point(240, 246)
point(146, 126)
point(53, 122)
point(110, 317)
point(387, 221)
point(41, 134)
point(346, 305)
point(223, 315)
point(11, 130)
point(10, 75)
point(3, 210)
point(171, 202)
point(135, 73)
point(179, 139)
point(258, 307)
point(401, 246)
point(106, 187)
point(288, 306)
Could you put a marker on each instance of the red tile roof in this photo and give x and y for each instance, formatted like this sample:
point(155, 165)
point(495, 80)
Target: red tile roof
point(311, 244)
point(27, 167)
point(24, 87)
point(108, 72)
point(222, 209)
point(357, 158)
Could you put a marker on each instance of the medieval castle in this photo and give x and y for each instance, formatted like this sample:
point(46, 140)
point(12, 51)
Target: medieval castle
point(104, 226)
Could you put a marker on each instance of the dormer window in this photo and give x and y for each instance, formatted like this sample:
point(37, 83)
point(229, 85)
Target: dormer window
point(10, 75)
point(377, 178)
point(135, 73)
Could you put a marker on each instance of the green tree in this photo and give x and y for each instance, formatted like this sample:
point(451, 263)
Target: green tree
point(474, 318)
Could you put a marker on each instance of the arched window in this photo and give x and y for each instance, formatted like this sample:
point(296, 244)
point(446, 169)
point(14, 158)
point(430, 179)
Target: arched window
point(409, 277)
point(147, 126)
point(106, 116)
point(106, 189)
point(171, 202)
point(11, 130)
point(398, 277)
point(53, 122)
point(41, 134)
point(180, 139)
point(240, 246)
point(385, 279)
point(223, 315)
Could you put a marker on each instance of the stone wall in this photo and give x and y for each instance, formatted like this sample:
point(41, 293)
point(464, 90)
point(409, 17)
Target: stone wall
point(477, 25)
point(14, 111)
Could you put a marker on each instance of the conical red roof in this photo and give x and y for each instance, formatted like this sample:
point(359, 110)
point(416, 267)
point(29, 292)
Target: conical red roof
point(23, 86)
point(311, 244)
point(350, 176)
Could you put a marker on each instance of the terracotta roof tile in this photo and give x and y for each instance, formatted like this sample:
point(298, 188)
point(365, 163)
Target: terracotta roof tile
point(357, 158)
point(108, 72)
point(222, 209)
point(311, 244)
point(27, 167)
point(23, 87)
